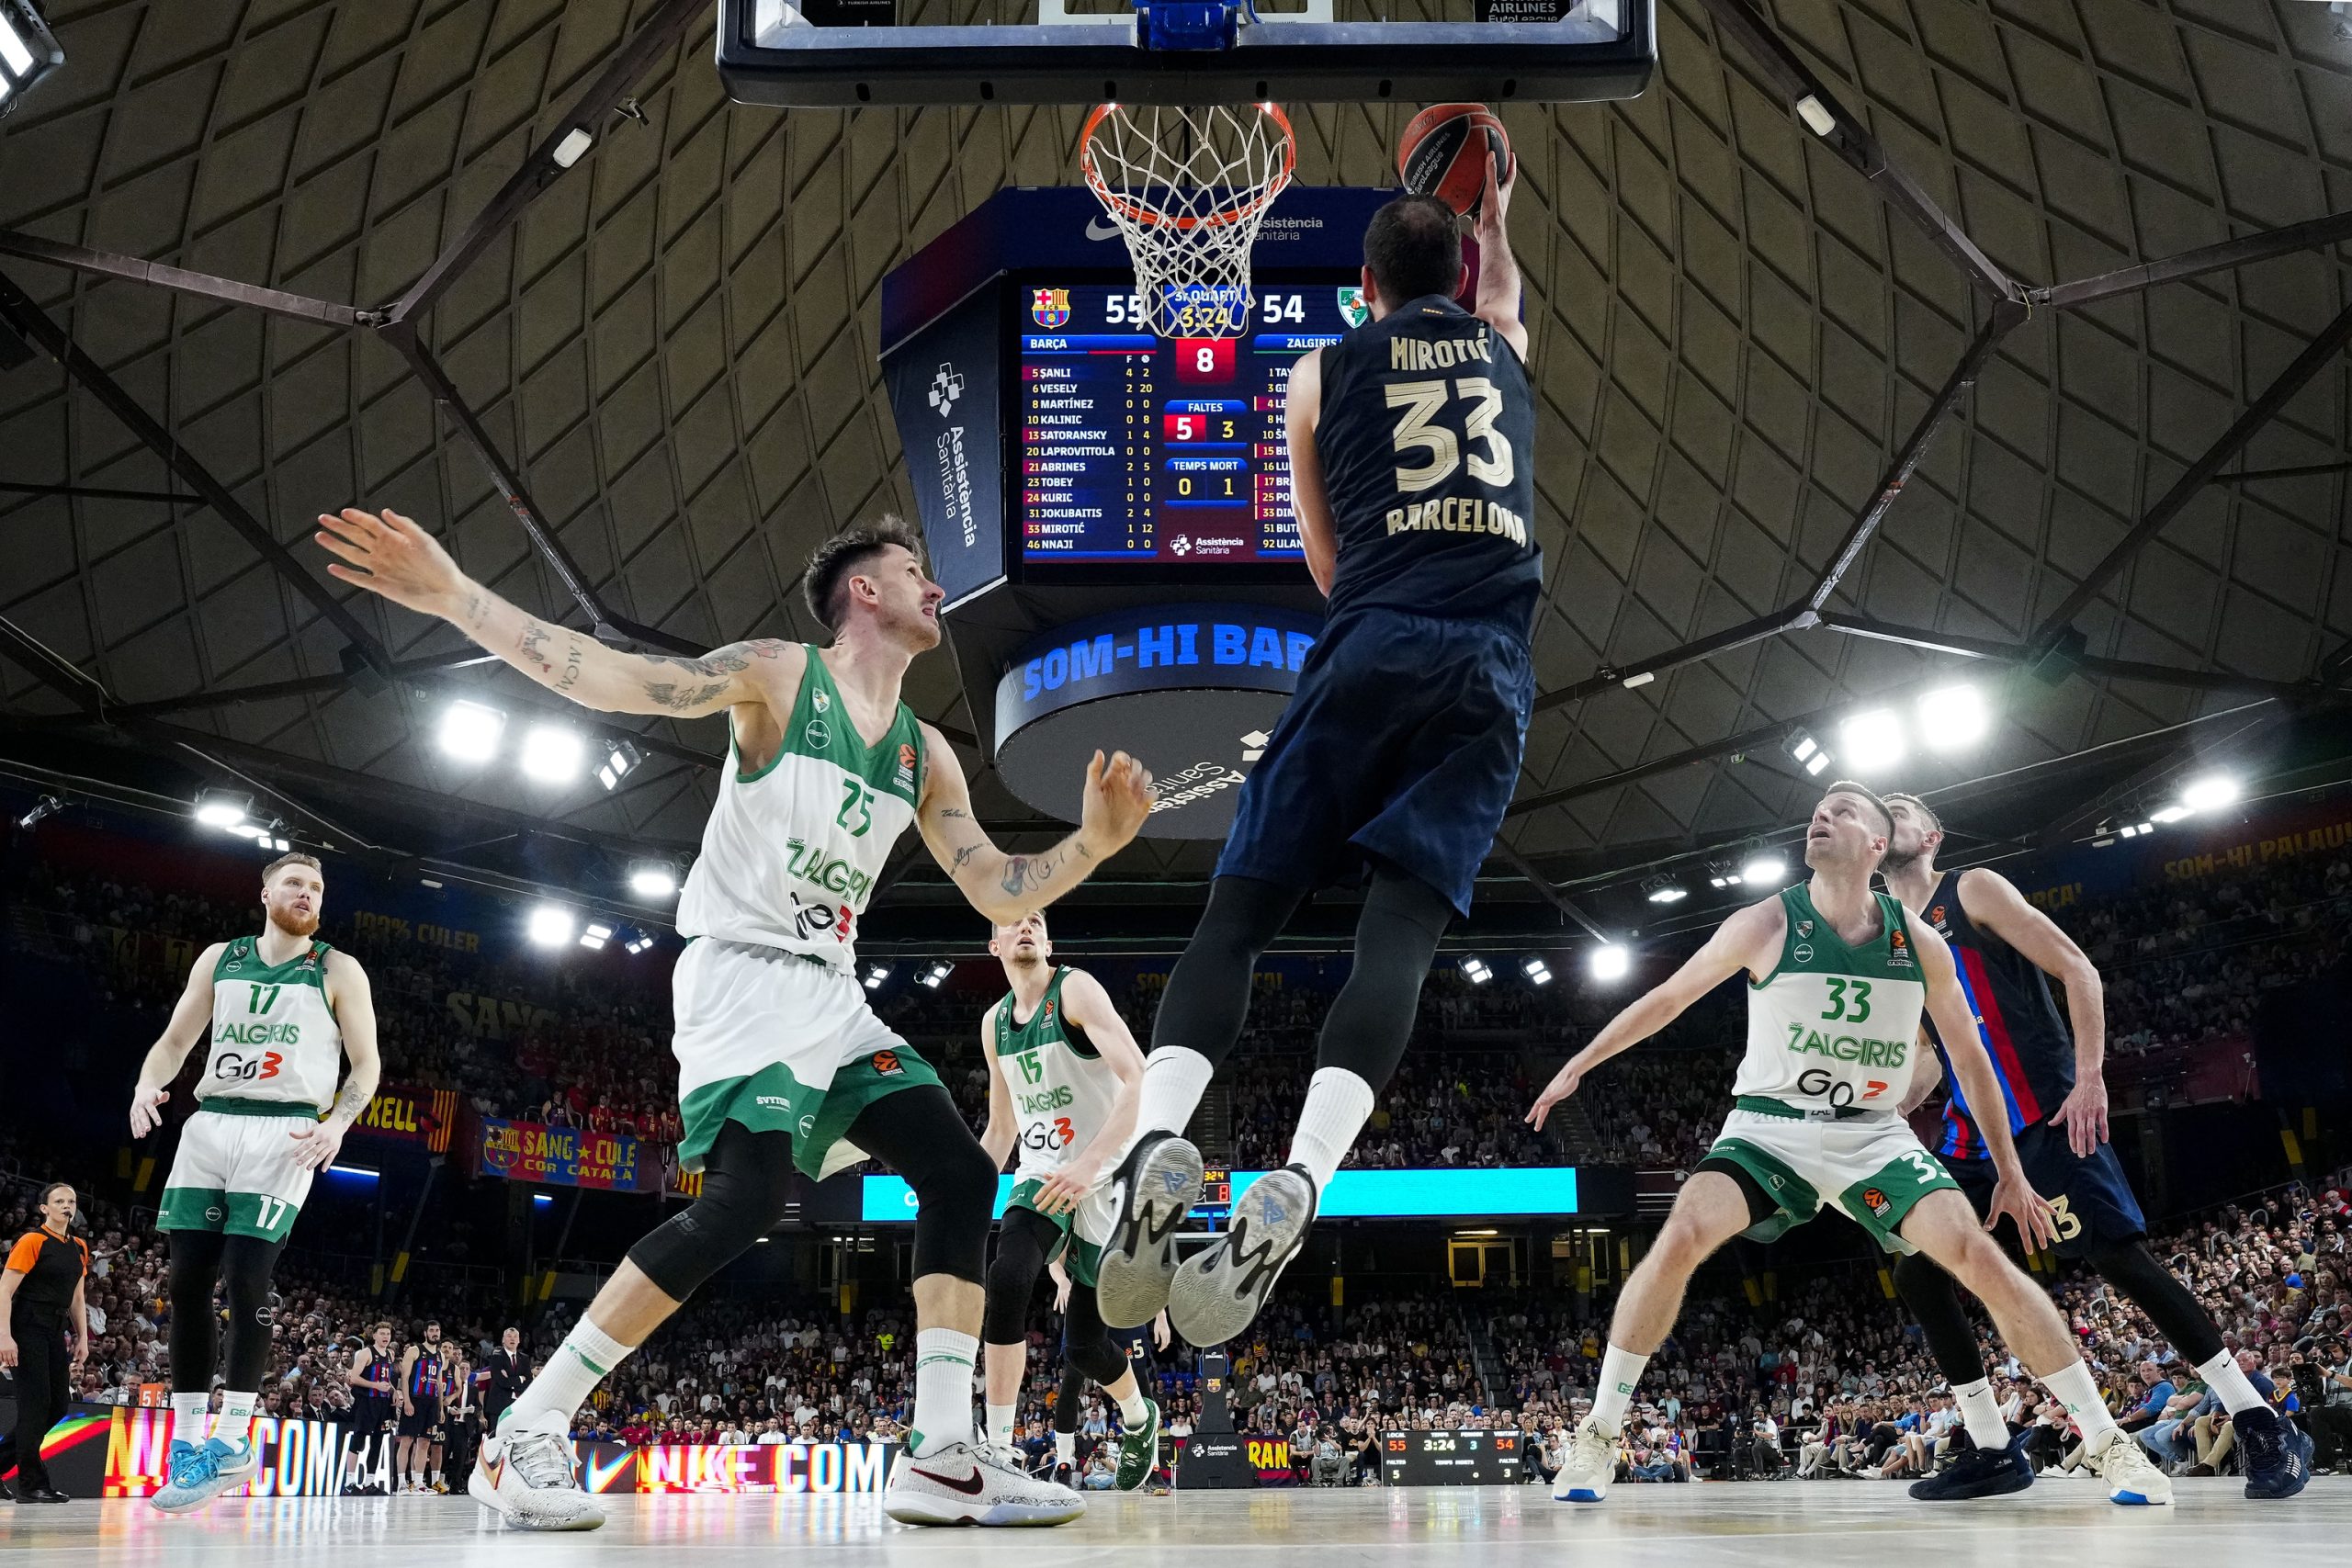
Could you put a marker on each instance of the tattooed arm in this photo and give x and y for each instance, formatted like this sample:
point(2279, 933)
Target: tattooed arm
point(1005, 888)
point(386, 553)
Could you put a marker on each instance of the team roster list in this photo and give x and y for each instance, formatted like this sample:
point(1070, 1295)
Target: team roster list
point(1132, 447)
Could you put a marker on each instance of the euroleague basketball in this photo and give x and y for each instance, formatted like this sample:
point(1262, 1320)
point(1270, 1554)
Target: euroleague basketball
point(1443, 154)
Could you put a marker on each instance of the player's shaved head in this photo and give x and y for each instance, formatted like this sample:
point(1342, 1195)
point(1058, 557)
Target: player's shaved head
point(1919, 808)
point(1848, 786)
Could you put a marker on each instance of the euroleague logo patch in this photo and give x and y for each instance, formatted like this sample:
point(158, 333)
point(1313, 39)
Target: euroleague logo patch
point(886, 1063)
point(1876, 1203)
point(1899, 953)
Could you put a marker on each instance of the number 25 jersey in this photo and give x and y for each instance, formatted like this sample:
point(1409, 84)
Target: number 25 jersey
point(1833, 1027)
point(1426, 438)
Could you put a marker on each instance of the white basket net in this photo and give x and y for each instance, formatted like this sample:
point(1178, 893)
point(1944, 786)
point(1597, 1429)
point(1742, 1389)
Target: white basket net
point(1188, 187)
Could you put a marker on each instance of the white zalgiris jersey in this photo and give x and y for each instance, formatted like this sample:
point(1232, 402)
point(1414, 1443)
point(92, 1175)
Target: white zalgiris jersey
point(791, 853)
point(274, 1036)
point(1062, 1090)
point(1835, 1028)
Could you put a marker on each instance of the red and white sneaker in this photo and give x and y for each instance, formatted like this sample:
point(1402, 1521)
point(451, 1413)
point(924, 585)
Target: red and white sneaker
point(965, 1484)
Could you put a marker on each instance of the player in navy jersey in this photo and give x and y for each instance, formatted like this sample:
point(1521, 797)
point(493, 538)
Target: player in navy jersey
point(2054, 1102)
point(1412, 472)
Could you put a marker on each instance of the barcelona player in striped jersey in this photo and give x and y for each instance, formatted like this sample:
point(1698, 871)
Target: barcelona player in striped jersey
point(2054, 1103)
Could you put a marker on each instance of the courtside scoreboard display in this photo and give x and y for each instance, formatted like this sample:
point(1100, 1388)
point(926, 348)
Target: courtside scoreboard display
point(1128, 448)
point(1450, 1458)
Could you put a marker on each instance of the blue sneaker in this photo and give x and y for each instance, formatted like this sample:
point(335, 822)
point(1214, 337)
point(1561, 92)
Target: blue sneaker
point(2278, 1454)
point(201, 1474)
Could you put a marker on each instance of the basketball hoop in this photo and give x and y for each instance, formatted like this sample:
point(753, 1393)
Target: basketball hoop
point(1188, 187)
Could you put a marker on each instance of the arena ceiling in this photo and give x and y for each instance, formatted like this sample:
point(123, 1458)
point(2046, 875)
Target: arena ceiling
point(1827, 419)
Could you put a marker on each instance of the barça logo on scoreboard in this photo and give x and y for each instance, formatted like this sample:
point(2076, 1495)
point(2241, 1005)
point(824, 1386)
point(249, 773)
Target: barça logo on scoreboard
point(1049, 306)
point(1353, 310)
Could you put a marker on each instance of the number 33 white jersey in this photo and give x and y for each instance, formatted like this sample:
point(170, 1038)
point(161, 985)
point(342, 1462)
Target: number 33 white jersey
point(1835, 1028)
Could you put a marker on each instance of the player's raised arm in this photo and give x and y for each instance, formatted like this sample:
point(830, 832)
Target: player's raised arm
point(191, 1019)
point(1302, 408)
point(1086, 1004)
point(1003, 1126)
point(1005, 888)
point(1972, 1069)
point(388, 554)
point(1498, 282)
point(1993, 902)
point(355, 1013)
point(1750, 939)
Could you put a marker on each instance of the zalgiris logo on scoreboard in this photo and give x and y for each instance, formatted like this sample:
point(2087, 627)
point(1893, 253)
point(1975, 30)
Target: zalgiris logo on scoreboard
point(1352, 309)
point(1049, 306)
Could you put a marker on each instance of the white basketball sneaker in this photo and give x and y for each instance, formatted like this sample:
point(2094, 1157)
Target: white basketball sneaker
point(524, 1472)
point(965, 1484)
point(2131, 1477)
point(1591, 1465)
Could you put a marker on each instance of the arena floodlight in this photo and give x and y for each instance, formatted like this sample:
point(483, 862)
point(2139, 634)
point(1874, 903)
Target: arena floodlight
point(551, 925)
point(1952, 717)
point(597, 935)
point(1766, 867)
point(48, 805)
point(29, 50)
point(653, 879)
point(2169, 814)
point(620, 757)
point(1661, 891)
point(2211, 793)
point(1871, 741)
point(552, 755)
point(875, 975)
point(936, 973)
point(1536, 970)
point(223, 809)
point(1610, 962)
point(1477, 971)
point(470, 732)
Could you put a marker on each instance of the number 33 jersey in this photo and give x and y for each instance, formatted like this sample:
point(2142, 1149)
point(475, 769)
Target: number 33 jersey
point(1062, 1090)
point(1835, 1028)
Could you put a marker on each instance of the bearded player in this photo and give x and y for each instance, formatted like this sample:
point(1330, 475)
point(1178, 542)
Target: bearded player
point(781, 1063)
point(1839, 978)
point(2051, 1094)
point(280, 1012)
point(1064, 1076)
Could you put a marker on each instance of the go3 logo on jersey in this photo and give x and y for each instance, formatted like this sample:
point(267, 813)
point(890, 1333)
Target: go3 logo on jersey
point(246, 1069)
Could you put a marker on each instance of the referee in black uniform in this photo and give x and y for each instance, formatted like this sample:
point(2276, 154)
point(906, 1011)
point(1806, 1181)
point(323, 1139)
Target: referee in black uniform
point(40, 1299)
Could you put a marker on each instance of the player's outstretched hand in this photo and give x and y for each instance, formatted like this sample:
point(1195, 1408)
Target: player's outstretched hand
point(316, 1144)
point(1160, 1333)
point(1495, 204)
point(146, 1113)
point(1118, 798)
point(388, 554)
point(2014, 1196)
point(1563, 1084)
point(2084, 1115)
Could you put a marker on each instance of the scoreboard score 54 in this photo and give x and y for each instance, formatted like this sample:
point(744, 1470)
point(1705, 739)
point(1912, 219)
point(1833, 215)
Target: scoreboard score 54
point(1131, 447)
point(1450, 1458)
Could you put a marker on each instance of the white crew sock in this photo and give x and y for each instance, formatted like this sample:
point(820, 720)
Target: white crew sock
point(1173, 1082)
point(2222, 1376)
point(1620, 1370)
point(571, 1375)
point(942, 1389)
point(1001, 1425)
point(188, 1412)
point(1982, 1413)
point(1338, 1104)
point(2075, 1389)
point(236, 1417)
point(1131, 1409)
point(1065, 1447)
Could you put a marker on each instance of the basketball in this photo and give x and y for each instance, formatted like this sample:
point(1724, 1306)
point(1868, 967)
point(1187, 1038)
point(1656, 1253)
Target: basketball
point(1443, 154)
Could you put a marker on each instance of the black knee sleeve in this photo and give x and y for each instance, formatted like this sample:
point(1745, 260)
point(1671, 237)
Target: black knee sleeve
point(1023, 1237)
point(1208, 991)
point(246, 1264)
point(1934, 1300)
point(1066, 1402)
point(1087, 1345)
point(2130, 1268)
point(1397, 936)
point(919, 1133)
point(746, 1185)
point(196, 1339)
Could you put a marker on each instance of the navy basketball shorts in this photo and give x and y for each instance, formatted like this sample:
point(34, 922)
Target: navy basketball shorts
point(1402, 743)
point(2091, 1201)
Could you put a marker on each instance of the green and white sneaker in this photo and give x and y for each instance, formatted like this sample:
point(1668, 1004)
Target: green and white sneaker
point(1138, 1450)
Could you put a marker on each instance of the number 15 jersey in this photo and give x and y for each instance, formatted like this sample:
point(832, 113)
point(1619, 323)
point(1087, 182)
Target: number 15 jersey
point(1062, 1090)
point(1833, 1027)
point(1426, 437)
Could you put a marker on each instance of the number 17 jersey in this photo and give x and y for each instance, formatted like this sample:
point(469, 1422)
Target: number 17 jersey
point(1835, 1028)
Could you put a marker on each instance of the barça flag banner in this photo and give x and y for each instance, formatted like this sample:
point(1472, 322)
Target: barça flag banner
point(564, 1156)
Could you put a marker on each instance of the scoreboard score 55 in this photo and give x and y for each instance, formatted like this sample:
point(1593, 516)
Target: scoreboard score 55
point(1450, 1458)
point(1131, 447)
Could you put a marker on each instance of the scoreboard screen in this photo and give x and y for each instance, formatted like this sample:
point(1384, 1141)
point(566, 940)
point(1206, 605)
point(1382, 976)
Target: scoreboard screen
point(1450, 1458)
point(1130, 447)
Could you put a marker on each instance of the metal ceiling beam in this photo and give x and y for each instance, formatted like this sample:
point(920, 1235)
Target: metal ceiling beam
point(2247, 476)
point(2224, 449)
point(52, 668)
point(301, 685)
point(1858, 148)
point(2220, 257)
point(94, 492)
point(17, 309)
point(181, 280)
point(2089, 664)
point(588, 116)
point(2256, 717)
point(1543, 885)
point(1642, 671)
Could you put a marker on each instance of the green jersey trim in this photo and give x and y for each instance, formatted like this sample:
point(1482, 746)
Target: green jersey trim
point(1012, 1039)
point(820, 726)
point(231, 1105)
point(1810, 944)
point(241, 960)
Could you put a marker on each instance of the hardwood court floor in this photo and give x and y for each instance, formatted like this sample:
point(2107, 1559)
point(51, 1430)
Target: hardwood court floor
point(1758, 1525)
